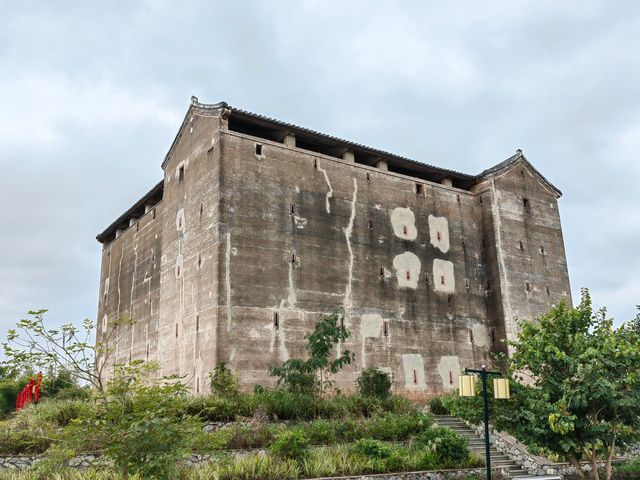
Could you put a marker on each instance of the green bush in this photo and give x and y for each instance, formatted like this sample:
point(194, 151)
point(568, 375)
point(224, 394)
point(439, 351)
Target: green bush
point(372, 448)
point(224, 382)
point(373, 382)
point(437, 407)
point(137, 423)
point(290, 444)
point(446, 444)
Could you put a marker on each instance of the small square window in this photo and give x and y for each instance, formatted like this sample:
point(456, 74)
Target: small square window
point(419, 188)
point(527, 205)
point(258, 149)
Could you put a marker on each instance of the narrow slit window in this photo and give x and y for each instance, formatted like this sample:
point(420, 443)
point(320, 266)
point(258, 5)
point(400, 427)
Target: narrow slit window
point(548, 291)
point(370, 225)
point(471, 335)
point(201, 210)
point(442, 280)
point(292, 209)
point(385, 328)
point(450, 377)
point(368, 177)
point(178, 271)
point(527, 285)
point(466, 283)
point(154, 213)
point(415, 376)
point(276, 320)
point(181, 173)
point(197, 385)
point(493, 335)
point(147, 352)
point(405, 230)
point(488, 286)
point(521, 246)
point(315, 164)
point(542, 252)
point(258, 149)
point(293, 258)
point(382, 271)
point(197, 323)
point(199, 261)
point(438, 236)
point(408, 275)
point(176, 330)
point(526, 204)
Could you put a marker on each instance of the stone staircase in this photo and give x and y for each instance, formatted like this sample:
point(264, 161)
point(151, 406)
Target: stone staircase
point(476, 445)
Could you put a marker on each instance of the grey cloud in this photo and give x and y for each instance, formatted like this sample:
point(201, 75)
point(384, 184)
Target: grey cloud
point(92, 93)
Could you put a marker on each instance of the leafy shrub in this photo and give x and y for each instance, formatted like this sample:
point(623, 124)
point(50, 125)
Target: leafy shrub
point(137, 423)
point(322, 432)
point(446, 444)
point(224, 382)
point(372, 448)
point(437, 407)
point(373, 382)
point(290, 444)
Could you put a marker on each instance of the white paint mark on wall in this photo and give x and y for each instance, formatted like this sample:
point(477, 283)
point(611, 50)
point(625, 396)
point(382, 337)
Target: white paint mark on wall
point(227, 279)
point(449, 370)
point(291, 297)
point(180, 222)
point(347, 235)
point(480, 335)
point(370, 327)
point(413, 366)
point(179, 266)
point(330, 192)
point(443, 277)
point(439, 233)
point(407, 266)
point(300, 222)
point(403, 222)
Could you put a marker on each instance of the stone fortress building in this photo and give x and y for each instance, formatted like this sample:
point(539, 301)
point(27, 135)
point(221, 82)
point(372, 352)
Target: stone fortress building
point(259, 226)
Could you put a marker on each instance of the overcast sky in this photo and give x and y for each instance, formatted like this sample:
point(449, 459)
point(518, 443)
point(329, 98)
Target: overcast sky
point(93, 92)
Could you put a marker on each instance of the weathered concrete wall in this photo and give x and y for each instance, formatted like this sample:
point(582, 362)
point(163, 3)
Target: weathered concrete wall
point(130, 287)
point(309, 233)
point(526, 253)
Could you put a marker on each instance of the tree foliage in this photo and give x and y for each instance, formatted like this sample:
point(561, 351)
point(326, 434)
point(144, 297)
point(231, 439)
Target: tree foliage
point(579, 395)
point(313, 374)
point(373, 382)
point(139, 422)
point(33, 346)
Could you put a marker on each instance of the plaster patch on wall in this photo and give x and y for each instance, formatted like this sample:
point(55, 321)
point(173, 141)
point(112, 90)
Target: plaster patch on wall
point(182, 165)
point(443, 277)
point(480, 335)
point(180, 221)
point(370, 327)
point(403, 222)
point(413, 366)
point(330, 192)
point(291, 297)
point(105, 324)
point(300, 222)
point(407, 266)
point(227, 279)
point(439, 233)
point(347, 235)
point(449, 365)
point(254, 334)
point(105, 293)
point(179, 265)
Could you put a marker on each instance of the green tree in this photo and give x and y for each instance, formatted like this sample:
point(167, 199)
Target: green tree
point(67, 350)
point(139, 422)
point(580, 397)
point(312, 374)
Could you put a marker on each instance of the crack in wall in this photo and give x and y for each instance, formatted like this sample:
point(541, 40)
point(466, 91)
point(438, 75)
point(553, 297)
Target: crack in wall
point(347, 234)
point(227, 279)
point(330, 192)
